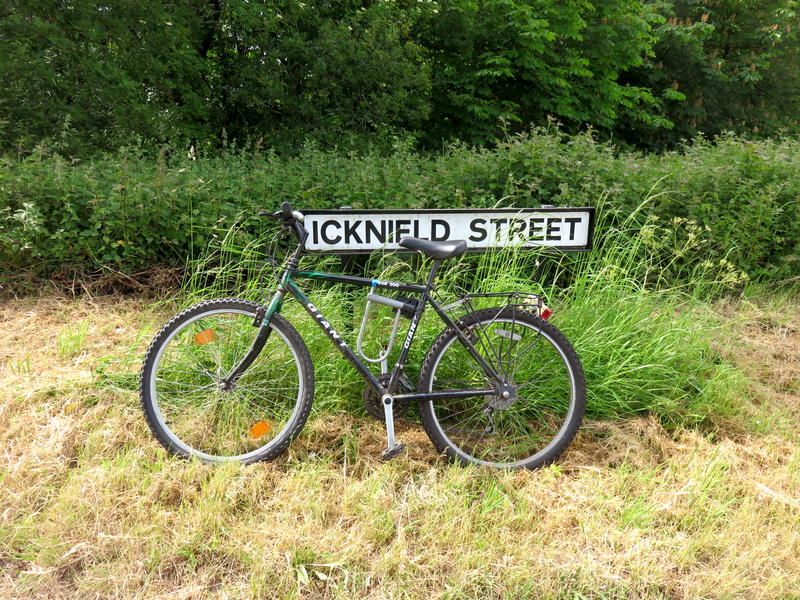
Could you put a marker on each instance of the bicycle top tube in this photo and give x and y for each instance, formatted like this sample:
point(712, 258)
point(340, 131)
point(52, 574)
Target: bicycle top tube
point(359, 281)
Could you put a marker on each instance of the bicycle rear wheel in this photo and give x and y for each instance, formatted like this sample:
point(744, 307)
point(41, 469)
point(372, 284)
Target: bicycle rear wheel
point(538, 407)
point(190, 412)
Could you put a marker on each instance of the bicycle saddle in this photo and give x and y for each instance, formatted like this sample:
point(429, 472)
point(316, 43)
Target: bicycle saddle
point(437, 250)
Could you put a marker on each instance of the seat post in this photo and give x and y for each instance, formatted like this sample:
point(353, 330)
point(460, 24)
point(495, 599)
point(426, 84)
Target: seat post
point(434, 270)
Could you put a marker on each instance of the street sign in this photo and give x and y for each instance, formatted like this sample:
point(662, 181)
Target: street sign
point(352, 231)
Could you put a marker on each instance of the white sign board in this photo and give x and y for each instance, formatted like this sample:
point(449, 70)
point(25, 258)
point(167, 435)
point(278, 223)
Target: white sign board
point(357, 231)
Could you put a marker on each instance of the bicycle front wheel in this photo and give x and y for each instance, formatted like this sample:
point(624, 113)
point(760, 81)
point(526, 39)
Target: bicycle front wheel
point(539, 402)
point(189, 410)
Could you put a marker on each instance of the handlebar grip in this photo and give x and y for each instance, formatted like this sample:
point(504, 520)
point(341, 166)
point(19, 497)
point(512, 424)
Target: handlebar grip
point(286, 210)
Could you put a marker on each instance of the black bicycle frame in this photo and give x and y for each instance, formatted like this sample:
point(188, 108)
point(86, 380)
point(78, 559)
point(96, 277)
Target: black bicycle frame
point(424, 292)
point(288, 285)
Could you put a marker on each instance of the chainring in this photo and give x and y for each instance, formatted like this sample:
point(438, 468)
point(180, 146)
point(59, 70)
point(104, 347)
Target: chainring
point(374, 406)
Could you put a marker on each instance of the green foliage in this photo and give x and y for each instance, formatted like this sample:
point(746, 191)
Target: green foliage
point(366, 73)
point(646, 346)
point(131, 212)
point(91, 75)
point(722, 66)
point(284, 70)
point(515, 61)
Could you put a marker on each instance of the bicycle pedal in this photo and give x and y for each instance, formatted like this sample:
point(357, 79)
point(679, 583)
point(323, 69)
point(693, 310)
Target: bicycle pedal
point(390, 453)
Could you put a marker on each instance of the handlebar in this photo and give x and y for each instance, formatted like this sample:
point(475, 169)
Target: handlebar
point(290, 219)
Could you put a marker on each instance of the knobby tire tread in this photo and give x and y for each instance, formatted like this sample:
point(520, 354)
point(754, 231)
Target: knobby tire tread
point(280, 322)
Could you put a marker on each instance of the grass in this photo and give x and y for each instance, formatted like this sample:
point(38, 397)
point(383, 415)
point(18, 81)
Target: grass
point(70, 339)
point(93, 507)
point(681, 484)
point(645, 343)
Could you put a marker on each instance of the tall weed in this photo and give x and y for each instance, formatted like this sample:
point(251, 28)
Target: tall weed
point(645, 344)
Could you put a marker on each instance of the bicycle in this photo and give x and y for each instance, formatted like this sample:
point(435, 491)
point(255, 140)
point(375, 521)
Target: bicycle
point(232, 380)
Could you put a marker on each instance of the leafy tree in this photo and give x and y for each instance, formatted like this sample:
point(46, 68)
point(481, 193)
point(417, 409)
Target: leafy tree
point(722, 65)
point(522, 61)
point(94, 75)
point(102, 70)
point(290, 68)
point(203, 69)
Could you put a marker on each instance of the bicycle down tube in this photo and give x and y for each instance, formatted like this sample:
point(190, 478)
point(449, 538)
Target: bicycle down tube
point(348, 353)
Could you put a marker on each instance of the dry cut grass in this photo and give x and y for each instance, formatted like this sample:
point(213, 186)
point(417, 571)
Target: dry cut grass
point(92, 507)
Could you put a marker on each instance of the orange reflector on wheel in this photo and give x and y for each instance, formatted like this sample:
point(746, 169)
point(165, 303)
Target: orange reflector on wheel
point(259, 429)
point(209, 335)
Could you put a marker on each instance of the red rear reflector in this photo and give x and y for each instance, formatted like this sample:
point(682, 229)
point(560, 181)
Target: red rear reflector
point(545, 313)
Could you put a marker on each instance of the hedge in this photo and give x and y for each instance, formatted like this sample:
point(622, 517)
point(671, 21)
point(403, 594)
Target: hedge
point(132, 211)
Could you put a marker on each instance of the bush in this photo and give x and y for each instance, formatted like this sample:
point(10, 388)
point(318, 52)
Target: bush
point(130, 211)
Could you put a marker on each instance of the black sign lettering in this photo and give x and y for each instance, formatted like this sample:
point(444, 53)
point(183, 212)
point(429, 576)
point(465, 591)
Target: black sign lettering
point(572, 221)
point(437, 224)
point(372, 230)
point(553, 227)
point(517, 228)
point(401, 229)
point(536, 230)
point(323, 228)
point(350, 232)
point(498, 224)
point(478, 230)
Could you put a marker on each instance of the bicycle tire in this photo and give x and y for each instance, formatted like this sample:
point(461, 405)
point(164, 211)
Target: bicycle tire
point(439, 424)
point(255, 394)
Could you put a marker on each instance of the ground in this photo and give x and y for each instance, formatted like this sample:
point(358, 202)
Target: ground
point(92, 507)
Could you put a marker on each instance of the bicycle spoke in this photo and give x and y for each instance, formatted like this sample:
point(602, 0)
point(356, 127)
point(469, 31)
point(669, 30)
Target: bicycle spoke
point(220, 422)
point(504, 428)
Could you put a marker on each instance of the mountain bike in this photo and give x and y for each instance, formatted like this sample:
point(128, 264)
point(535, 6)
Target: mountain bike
point(232, 380)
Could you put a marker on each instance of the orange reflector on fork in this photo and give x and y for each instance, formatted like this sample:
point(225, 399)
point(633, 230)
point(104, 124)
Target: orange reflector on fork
point(209, 335)
point(259, 429)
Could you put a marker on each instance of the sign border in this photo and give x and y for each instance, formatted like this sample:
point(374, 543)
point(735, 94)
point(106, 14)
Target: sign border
point(355, 211)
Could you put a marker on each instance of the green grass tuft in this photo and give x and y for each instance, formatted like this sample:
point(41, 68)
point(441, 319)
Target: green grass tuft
point(646, 344)
point(70, 340)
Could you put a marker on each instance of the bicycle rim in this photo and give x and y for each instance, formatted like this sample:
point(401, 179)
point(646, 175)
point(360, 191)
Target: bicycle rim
point(215, 425)
point(505, 432)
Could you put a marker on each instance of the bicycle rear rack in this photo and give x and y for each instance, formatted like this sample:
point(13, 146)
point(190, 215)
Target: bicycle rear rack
point(470, 302)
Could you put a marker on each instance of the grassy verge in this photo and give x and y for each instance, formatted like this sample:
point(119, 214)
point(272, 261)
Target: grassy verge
point(93, 507)
point(682, 484)
point(645, 343)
